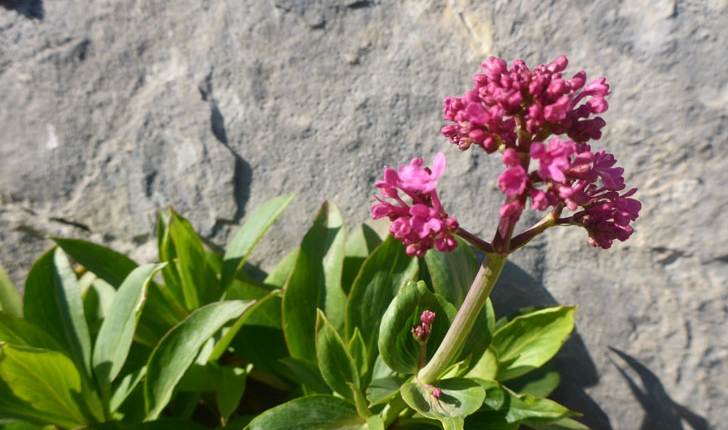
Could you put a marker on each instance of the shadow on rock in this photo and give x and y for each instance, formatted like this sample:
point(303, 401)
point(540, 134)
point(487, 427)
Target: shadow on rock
point(516, 290)
point(31, 9)
point(661, 412)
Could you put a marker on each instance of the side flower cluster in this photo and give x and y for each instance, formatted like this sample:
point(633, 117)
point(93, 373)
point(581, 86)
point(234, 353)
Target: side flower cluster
point(422, 224)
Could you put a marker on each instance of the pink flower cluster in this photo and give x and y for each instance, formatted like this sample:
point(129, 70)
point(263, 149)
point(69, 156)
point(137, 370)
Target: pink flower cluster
point(570, 175)
point(422, 331)
point(540, 102)
point(422, 224)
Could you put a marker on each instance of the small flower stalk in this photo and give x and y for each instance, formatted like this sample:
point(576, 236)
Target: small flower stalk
point(543, 124)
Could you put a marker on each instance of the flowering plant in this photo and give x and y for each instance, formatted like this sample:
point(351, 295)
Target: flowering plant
point(350, 330)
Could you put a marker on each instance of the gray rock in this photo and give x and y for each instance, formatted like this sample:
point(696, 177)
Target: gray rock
point(115, 109)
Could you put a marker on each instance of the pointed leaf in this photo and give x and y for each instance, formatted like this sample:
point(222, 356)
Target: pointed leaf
point(459, 397)
point(278, 277)
point(177, 350)
point(337, 365)
point(105, 263)
point(528, 341)
point(51, 383)
point(312, 412)
point(249, 235)
point(199, 283)
point(380, 278)
point(307, 373)
point(521, 408)
point(20, 332)
point(230, 386)
point(117, 330)
point(397, 345)
point(52, 301)
point(358, 351)
point(10, 300)
point(453, 272)
point(315, 283)
point(359, 245)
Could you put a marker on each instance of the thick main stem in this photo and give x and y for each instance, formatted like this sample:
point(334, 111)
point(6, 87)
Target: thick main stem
point(460, 329)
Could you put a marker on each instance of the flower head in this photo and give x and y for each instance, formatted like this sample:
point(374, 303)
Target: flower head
point(422, 223)
point(422, 331)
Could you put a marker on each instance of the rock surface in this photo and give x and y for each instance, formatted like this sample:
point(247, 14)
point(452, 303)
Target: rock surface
point(113, 109)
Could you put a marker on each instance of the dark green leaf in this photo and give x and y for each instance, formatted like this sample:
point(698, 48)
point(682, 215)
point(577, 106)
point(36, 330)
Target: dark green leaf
point(105, 263)
point(383, 390)
point(229, 389)
point(318, 412)
point(358, 247)
point(529, 341)
point(380, 278)
point(306, 373)
point(358, 350)
point(249, 235)
point(453, 272)
point(177, 350)
point(278, 277)
point(52, 301)
point(315, 283)
point(335, 362)
point(522, 408)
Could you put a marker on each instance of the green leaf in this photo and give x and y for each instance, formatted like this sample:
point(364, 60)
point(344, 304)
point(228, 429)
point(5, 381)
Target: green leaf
point(459, 397)
point(20, 332)
point(105, 263)
point(51, 383)
point(397, 345)
point(358, 351)
point(97, 299)
point(528, 341)
point(168, 254)
point(384, 389)
point(562, 424)
point(306, 373)
point(259, 339)
point(199, 282)
point(453, 272)
point(10, 300)
point(315, 283)
point(124, 387)
point(117, 331)
point(486, 367)
point(52, 301)
point(177, 350)
point(525, 409)
point(278, 277)
point(380, 278)
point(539, 383)
point(310, 413)
point(335, 362)
point(230, 386)
point(249, 235)
point(359, 245)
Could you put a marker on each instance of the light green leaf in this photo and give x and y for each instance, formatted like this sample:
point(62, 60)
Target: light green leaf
point(315, 283)
point(278, 277)
point(105, 263)
point(52, 301)
point(380, 278)
point(117, 330)
point(459, 397)
point(562, 424)
point(528, 341)
point(397, 345)
point(539, 383)
point(177, 350)
point(10, 300)
point(20, 332)
point(336, 363)
point(486, 367)
point(51, 383)
point(384, 389)
point(358, 351)
point(249, 235)
point(318, 412)
point(124, 387)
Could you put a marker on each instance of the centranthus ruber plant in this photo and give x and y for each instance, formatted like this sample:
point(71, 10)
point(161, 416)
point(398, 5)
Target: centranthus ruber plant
point(350, 330)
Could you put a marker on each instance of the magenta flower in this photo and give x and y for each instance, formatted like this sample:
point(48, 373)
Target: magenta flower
point(421, 224)
point(422, 331)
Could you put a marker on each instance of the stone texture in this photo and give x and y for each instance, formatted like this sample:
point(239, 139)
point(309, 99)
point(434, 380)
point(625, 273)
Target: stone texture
point(114, 109)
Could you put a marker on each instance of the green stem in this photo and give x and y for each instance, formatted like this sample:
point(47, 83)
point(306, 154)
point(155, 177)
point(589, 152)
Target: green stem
point(460, 329)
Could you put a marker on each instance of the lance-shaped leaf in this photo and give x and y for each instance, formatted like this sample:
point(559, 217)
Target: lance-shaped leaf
point(380, 278)
point(336, 363)
point(21, 332)
point(117, 330)
point(529, 341)
point(452, 273)
point(359, 245)
point(51, 385)
point(249, 235)
point(311, 412)
point(52, 301)
point(177, 350)
point(315, 283)
point(10, 300)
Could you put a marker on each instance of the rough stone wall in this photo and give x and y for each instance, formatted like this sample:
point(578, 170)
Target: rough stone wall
point(113, 109)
